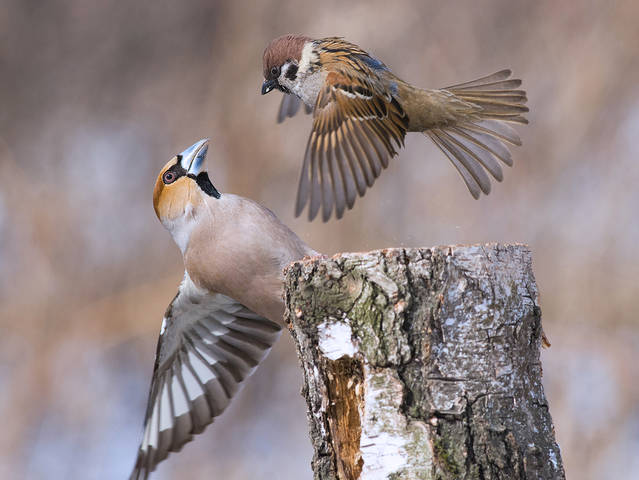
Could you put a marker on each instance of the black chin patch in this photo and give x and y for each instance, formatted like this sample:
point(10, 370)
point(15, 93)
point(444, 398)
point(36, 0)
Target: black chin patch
point(205, 184)
point(282, 88)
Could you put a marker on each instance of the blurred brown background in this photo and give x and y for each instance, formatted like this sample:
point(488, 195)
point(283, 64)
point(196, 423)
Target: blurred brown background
point(97, 96)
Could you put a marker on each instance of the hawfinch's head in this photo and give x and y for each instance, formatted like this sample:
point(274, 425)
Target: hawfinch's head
point(182, 183)
point(281, 61)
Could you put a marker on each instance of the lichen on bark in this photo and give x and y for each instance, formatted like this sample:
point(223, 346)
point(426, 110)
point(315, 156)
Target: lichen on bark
point(423, 364)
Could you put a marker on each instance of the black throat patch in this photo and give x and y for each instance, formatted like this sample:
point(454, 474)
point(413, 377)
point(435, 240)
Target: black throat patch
point(205, 184)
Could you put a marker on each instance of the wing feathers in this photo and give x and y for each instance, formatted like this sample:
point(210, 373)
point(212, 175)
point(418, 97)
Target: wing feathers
point(303, 189)
point(289, 107)
point(165, 420)
point(217, 395)
point(356, 123)
point(202, 365)
point(363, 162)
point(227, 375)
point(352, 177)
point(238, 363)
point(316, 179)
point(358, 175)
point(368, 149)
point(327, 190)
point(181, 409)
point(336, 177)
point(253, 347)
point(265, 332)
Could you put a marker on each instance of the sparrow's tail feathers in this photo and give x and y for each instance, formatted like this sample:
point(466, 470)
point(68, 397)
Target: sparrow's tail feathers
point(478, 144)
point(496, 95)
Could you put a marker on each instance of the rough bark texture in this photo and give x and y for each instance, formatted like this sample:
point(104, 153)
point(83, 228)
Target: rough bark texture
point(423, 364)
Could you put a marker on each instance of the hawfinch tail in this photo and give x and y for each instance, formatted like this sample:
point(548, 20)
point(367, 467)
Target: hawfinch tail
point(362, 112)
point(224, 318)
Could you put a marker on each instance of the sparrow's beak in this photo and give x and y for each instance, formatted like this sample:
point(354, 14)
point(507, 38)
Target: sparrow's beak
point(193, 157)
point(268, 85)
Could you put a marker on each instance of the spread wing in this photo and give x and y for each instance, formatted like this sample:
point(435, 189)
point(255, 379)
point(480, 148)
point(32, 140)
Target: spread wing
point(357, 123)
point(208, 345)
point(290, 106)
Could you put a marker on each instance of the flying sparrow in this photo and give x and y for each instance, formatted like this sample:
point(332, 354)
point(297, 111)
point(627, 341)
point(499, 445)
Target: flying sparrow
point(362, 112)
point(226, 314)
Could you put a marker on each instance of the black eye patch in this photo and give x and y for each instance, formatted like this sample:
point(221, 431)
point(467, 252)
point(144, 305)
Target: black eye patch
point(174, 172)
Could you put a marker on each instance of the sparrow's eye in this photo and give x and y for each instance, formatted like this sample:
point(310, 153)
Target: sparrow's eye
point(169, 177)
point(275, 71)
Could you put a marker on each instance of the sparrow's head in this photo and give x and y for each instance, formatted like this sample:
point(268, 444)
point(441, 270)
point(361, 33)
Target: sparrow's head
point(182, 183)
point(281, 62)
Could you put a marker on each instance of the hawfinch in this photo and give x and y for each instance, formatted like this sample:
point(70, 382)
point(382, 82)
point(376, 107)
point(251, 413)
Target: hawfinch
point(362, 111)
point(225, 316)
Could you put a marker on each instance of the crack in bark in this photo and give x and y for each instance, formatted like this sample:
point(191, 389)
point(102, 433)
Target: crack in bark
point(470, 441)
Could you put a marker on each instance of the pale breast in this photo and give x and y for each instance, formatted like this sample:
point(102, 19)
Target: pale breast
point(240, 251)
point(308, 88)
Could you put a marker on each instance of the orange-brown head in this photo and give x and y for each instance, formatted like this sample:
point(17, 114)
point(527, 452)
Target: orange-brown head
point(179, 187)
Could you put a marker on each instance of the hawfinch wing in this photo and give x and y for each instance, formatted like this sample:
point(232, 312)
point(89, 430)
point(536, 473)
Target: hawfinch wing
point(208, 345)
point(290, 106)
point(356, 121)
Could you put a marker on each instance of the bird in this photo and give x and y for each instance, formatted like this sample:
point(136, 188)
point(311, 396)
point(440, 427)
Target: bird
point(362, 112)
point(228, 309)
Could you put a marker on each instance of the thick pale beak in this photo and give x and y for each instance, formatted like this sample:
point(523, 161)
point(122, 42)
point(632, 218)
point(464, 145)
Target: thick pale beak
point(268, 85)
point(193, 157)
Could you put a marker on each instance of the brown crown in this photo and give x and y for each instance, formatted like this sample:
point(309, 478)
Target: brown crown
point(282, 49)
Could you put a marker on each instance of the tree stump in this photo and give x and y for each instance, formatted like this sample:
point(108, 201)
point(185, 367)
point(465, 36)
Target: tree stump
point(423, 364)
